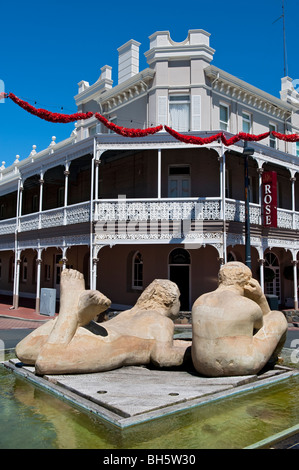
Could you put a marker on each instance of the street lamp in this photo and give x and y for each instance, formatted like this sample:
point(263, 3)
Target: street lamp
point(247, 151)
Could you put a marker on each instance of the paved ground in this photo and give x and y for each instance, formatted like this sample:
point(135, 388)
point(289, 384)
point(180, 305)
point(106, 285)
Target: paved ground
point(23, 317)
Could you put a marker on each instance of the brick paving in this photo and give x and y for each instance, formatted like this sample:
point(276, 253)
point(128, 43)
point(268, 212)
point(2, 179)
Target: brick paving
point(23, 317)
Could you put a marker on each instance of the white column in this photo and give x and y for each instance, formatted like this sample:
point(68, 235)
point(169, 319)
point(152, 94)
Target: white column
point(66, 183)
point(40, 207)
point(38, 279)
point(159, 174)
point(16, 279)
point(293, 180)
point(295, 262)
point(222, 196)
point(96, 188)
point(262, 281)
point(64, 258)
point(41, 184)
point(21, 199)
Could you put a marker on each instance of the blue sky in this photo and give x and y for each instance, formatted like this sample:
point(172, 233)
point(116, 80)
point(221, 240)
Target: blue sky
point(48, 47)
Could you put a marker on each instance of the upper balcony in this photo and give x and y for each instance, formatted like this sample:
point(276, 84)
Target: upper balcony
point(147, 219)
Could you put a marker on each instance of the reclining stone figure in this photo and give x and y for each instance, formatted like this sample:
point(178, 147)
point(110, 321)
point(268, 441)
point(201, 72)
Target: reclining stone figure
point(233, 330)
point(74, 343)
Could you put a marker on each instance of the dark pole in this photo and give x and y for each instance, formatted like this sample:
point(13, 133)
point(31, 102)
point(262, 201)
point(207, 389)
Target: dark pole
point(247, 151)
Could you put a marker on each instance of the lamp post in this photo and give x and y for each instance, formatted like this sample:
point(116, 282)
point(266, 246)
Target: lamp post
point(247, 151)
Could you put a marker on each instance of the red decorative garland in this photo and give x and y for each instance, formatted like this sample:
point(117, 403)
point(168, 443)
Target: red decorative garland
point(126, 132)
point(286, 138)
point(47, 115)
point(189, 139)
point(207, 140)
point(243, 136)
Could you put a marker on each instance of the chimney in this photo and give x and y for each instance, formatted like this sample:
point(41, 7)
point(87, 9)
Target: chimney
point(128, 60)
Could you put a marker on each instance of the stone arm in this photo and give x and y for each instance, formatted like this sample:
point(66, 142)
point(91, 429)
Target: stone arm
point(253, 291)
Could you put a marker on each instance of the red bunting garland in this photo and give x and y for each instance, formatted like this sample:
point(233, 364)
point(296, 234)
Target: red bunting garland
point(243, 136)
point(127, 132)
point(207, 140)
point(286, 138)
point(189, 139)
point(47, 115)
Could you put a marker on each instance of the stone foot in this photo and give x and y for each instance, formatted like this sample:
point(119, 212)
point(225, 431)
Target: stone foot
point(91, 304)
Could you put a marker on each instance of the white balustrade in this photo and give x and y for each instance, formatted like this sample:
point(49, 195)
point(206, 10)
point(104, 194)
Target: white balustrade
point(127, 211)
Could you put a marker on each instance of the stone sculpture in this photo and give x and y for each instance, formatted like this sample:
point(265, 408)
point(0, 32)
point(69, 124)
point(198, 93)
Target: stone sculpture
point(74, 343)
point(233, 330)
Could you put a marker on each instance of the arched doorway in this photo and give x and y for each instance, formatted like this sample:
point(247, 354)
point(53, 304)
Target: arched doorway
point(179, 272)
point(272, 275)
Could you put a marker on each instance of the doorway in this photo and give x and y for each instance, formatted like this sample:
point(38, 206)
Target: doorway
point(179, 272)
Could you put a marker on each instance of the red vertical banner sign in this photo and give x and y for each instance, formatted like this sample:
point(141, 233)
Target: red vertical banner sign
point(270, 199)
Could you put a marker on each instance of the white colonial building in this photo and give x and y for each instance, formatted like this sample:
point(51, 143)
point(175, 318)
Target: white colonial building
point(127, 210)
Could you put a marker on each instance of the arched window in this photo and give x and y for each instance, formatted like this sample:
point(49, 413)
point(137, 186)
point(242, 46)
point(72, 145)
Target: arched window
point(179, 256)
point(137, 271)
point(231, 256)
point(272, 274)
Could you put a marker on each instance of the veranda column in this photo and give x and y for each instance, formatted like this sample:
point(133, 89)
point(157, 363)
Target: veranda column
point(16, 279)
point(66, 182)
point(96, 183)
point(64, 258)
point(40, 207)
point(159, 174)
point(295, 263)
point(21, 199)
point(38, 279)
point(262, 277)
point(95, 260)
point(293, 180)
point(222, 161)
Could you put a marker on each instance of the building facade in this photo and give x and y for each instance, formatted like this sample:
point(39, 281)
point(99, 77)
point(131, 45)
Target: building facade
point(125, 211)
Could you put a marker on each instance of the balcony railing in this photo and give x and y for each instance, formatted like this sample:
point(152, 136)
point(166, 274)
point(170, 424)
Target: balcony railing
point(69, 215)
point(169, 212)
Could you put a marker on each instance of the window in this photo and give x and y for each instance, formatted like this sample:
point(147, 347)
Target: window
point(223, 117)
point(179, 112)
point(47, 272)
point(246, 123)
point(179, 256)
point(114, 121)
point(231, 256)
point(137, 281)
point(297, 149)
point(92, 130)
point(272, 139)
point(24, 270)
point(179, 181)
point(272, 274)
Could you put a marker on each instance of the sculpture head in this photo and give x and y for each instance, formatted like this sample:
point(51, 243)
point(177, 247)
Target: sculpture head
point(162, 295)
point(234, 273)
